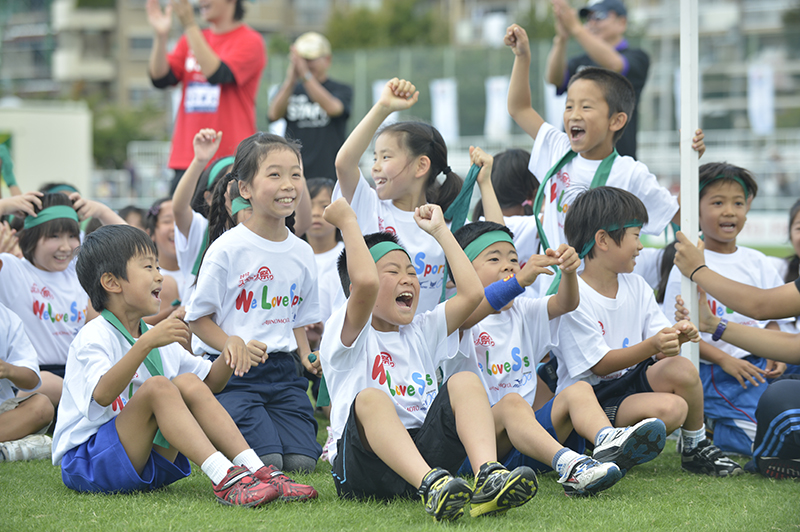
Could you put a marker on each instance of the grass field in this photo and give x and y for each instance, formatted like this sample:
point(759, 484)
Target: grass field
point(655, 496)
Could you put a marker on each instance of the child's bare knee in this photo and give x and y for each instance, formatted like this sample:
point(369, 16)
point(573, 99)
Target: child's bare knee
point(158, 385)
point(370, 398)
point(41, 410)
point(465, 380)
point(512, 401)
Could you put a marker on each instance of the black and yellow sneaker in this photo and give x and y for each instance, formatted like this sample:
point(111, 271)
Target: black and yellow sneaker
point(444, 495)
point(497, 489)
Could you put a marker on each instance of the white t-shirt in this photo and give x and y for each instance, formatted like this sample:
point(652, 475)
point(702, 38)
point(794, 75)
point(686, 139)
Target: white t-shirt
point(179, 280)
point(504, 349)
point(15, 349)
point(576, 177)
point(744, 265)
point(51, 305)
point(402, 364)
point(186, 250)
point(257, 289)
point(601, 324)
point(328, 259)
point(331, 294)
point(426, 254)
point(97, 348)
point(648, 265)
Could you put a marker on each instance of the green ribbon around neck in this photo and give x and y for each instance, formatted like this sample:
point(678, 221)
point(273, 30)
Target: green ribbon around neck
point(47, 214)
point(152, 361)
point(239, 204)
point(599, 180)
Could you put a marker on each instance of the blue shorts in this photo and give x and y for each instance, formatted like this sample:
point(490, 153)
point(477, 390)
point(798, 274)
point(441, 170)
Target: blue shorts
point(101, 465)
point(270, 405)
point(514, 458)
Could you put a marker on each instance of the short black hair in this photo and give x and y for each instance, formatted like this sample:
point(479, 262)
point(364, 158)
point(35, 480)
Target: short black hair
point(617, 92)
point(598, 208)
point(370, 239)
point(512, 180)
point(29, 238)
point(467, 234)
point(131, 209)
point(150, 219)
point(710, 171)
point(108, 250)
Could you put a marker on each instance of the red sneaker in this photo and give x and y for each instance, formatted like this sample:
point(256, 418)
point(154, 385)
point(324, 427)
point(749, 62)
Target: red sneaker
point(240, 488)
point(288, 489)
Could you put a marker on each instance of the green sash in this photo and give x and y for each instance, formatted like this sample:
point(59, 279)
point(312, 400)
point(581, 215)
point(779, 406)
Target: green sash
point(152, 361)
point(199, 259)
point(458, 210)
point(599, 180)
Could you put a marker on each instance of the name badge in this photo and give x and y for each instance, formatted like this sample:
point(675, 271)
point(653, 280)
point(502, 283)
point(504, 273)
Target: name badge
point(201, 98)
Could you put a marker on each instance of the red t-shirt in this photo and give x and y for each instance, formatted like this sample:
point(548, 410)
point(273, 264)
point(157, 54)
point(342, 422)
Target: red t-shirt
point(229, 107)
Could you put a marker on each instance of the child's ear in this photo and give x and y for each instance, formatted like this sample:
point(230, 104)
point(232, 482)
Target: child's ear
point(423, 166)
point(110, 283)
point(602, 240)
point(618, 121)
point(244, 190)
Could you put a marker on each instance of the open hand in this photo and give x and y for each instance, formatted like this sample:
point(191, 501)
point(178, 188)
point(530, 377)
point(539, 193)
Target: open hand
point(205, 144)
point(160, 20)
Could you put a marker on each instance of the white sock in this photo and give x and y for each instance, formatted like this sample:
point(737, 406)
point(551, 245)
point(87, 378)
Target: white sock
point(249, 459)
point(690, 438)
point(563, 458)
point(216, 467)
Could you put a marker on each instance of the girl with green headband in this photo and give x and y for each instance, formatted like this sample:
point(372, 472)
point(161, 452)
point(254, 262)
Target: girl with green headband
point(733, 378)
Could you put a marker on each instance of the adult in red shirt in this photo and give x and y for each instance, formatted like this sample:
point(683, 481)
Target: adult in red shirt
point(219, 68)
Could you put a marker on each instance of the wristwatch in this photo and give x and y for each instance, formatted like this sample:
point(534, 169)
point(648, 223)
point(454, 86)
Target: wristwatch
point(307, 76)
point(723, 324)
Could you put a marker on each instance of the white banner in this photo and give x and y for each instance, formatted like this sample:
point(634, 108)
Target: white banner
point(498, 122)
point(444, 108)
point(761, 98)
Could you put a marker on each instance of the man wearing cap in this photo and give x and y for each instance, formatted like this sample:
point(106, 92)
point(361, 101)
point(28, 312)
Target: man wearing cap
point(315, 107)
point(219, 68)
point(602, 37)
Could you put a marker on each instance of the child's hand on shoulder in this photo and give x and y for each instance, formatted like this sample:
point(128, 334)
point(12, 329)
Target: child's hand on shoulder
point(567, 258)
point(23, 204)
point(429, 218)
point(485, 161)
point(205, 144)
point(666, 342)
point(398, 95)
point(517, 39)
point(339, 213)
point(171, 330)
point(535, 266)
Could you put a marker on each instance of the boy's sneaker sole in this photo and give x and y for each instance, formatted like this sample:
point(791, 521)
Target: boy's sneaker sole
point(519, 486)
point(778, 468)
point(637, 445)
point(597, 477)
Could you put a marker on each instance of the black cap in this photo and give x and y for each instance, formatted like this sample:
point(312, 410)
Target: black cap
point(604, 6)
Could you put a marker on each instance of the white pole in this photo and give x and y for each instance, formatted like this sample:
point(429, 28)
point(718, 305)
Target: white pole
point(689, 164)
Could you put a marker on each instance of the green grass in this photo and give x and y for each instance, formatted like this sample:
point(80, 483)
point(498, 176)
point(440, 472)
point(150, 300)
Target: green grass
point(655, 496)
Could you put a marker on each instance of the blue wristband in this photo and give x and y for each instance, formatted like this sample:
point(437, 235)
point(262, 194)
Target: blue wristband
point(501, 293)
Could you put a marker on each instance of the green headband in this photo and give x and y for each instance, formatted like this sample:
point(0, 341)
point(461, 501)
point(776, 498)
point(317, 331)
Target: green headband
point(382, 248)
point(61, 188)
point(736, 178)
point(239, 204)
point(475, 247)
point(217, 168)
point(613, 227)
point(51, 213)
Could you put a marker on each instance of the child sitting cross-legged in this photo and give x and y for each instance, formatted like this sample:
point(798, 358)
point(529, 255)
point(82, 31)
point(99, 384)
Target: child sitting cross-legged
point(508, 338)
point(396, 433)
point(619, 341)
point(136, 406)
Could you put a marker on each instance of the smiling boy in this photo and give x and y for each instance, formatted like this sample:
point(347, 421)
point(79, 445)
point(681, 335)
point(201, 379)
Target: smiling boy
point(599, 106)
point(136, 406)
point(619, 341)
point(396, 433)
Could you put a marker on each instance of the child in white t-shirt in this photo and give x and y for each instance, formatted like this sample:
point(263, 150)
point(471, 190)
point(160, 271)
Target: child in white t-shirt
point(505, 339)
point(730, 375)
point(408, 158)
point(136, 405)
point(619, 341)
point(42, 288)
point(256, 291)
point(23, 420)
point(392, 422)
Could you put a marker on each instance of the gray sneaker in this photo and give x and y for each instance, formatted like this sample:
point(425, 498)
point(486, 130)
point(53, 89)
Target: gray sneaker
point(33, 447)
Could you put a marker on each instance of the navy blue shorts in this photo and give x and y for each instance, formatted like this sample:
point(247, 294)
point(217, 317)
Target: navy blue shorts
point(610, 394)
point(514, 458)
point(270, 405)
point(55, 369)
point(359, 473)
point(101, 465)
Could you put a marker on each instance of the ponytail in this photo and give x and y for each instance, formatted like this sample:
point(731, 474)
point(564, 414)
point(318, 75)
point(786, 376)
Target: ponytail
point(219, 220)
point(444, 194)
point(667, 261)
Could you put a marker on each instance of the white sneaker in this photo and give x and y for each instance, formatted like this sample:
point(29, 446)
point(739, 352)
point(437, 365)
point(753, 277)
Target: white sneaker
point(631, 446)
point(585, 476)
point(33, 447)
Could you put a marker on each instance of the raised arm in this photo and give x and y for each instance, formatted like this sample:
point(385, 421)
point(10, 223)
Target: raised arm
point(556, 67)
point(758, 303)
point(205, 144)
point(317, 93)
point(206, 58)
point(519, 89)
point(364, 281)
point(94, 209)
point(161, 21)
point(397, 95)
point(491, 207)
point(596, 48)
point(280, 101)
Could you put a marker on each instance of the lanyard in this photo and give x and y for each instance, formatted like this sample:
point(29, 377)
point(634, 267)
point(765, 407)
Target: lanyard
point(199, 259)
point(152, 361)
point(599, 180)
